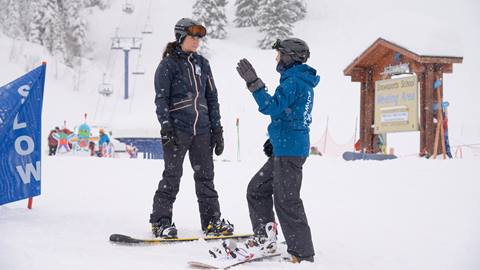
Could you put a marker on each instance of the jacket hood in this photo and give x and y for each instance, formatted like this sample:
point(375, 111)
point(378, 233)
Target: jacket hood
point(303, 72)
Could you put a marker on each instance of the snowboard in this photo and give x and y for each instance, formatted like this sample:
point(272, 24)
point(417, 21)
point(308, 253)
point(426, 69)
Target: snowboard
point(366, 156)
point(125, 239)
point(227, 264)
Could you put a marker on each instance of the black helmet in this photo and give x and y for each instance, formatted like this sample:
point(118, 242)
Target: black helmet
point(296, 48)
point(186, 26)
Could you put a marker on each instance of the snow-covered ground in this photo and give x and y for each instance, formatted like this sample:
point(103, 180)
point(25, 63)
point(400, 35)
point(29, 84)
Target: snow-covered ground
point(408, 213)
point(401, 214)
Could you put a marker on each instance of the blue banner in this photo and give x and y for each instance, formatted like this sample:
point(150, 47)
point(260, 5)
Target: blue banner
point(20, 136)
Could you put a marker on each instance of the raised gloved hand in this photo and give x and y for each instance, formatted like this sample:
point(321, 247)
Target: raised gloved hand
point(168, 136)
point(268, 148)
point(216, 140)
point(247, 72)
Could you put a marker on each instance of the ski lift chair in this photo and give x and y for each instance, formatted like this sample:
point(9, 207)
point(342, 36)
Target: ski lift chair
point(138, 72)
point(147, 29)
point(105, 89)
point(128, 8)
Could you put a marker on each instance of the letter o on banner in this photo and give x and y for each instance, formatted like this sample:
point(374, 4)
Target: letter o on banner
point(30, 145)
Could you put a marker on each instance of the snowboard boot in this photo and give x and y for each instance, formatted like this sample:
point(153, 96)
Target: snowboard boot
point(265, 239)
point(295, 259)
point(164, 230)
point(219, 227)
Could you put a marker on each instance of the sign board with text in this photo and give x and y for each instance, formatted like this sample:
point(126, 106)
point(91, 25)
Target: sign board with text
point(396, 105)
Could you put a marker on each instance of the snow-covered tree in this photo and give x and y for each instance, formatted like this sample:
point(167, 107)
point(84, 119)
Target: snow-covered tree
point(211, 14)
point(11, 19)
point(76, 27)
point(246, 13)
point(3, 13)
point(59, 25)
point(298, 9)
point(102, 4)
point(46, 27)
point(275, 21)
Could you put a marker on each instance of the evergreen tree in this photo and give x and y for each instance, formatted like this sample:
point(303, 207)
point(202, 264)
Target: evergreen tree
point(11, 19)
point(298, 9)
point(46, 27)
point(246, 13)
point(76, 27)
point(3, 14)
point(26, 13)
point(211, 14)
point(102, 4)
point(275, 21)
point(58, 25)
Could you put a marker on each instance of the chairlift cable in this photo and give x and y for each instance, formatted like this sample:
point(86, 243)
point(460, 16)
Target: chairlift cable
point(109, 69)
point(96, 107)
point(114, 110)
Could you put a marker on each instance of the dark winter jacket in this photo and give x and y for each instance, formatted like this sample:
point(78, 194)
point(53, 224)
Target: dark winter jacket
point(51, 140)
point(186, 96)
point(290, 109)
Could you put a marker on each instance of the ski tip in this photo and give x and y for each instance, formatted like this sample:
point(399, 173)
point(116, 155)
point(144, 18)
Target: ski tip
point(120, 238)
point(200, 265)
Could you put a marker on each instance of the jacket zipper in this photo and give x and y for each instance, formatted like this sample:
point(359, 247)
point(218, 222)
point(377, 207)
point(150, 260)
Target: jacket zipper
point(196, 97)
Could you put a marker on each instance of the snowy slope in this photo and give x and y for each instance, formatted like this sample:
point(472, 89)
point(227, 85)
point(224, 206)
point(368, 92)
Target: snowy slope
point(403, 214)
point(406, 215)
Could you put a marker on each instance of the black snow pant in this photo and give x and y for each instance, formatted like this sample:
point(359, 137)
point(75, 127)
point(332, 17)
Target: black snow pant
point(201, 159)
point(278, 183)
point(52, 150)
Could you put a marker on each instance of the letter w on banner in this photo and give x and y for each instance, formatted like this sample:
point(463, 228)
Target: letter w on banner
point(20, 136)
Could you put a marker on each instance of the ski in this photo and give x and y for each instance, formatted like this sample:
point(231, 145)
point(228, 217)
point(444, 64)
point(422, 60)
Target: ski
point(125, 239)
point(227, 264)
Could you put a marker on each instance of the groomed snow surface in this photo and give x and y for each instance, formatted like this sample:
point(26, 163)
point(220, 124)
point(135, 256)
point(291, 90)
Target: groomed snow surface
point(401, 214)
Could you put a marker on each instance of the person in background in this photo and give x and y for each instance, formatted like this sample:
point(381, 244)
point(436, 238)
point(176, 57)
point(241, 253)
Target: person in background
point(278, 183)
point(131, 151)
point(445, 134)
point(91, 147)
point(103, 141)
point(52, 142)
point(189, 115)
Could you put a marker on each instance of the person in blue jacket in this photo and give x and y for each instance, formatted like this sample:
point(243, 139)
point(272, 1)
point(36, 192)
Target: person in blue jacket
point(188, 111)
point(279, 181)
point(103, 142)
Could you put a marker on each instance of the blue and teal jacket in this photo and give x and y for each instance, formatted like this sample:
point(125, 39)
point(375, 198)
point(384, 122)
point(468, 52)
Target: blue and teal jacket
point(290, 110)
point(104, 140)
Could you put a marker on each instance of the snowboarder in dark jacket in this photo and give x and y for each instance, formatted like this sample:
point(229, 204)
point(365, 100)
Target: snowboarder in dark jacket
point(189, 115)
point(279, 181)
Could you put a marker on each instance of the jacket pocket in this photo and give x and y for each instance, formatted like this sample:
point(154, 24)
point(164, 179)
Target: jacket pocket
point(181, 106)
point(175, 104)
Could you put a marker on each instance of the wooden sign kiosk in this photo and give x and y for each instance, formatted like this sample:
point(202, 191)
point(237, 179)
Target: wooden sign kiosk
point(372, 65)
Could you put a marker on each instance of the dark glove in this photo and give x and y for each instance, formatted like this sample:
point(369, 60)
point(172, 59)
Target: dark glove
point(216, 140)
point(168, 136)
point(247, 72)
point(268, 148)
